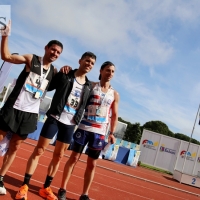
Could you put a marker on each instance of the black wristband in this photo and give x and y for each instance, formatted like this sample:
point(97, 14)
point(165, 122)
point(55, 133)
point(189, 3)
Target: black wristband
point(111, 133)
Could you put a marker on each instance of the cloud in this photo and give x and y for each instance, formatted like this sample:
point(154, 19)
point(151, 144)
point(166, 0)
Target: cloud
point(153, 103)
point(152, 44)
point(115, 28)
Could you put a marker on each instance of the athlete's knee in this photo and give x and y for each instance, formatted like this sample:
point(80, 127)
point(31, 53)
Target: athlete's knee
point(2, 134)
point(39, 151)
point(73, 159)
point(91, 164)
point(57, 156)
point(13, 148)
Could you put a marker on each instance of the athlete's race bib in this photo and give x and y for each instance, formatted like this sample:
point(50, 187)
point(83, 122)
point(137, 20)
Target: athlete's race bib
point(34, 84)
point(73, 102)
point(97, 113)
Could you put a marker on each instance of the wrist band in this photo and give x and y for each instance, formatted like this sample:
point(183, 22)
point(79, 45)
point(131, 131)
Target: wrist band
point(111, 133)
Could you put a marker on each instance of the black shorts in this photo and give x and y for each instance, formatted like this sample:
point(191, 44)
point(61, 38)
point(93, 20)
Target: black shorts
point(95, 142)
point(92, 153)
point(53, 126)
point(18, 122)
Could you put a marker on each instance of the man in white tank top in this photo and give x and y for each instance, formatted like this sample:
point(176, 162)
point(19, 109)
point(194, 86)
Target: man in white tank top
point(17, 115)
point(92, 129)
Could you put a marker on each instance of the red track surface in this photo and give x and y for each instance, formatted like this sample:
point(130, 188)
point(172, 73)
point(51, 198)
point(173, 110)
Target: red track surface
point(112, 181)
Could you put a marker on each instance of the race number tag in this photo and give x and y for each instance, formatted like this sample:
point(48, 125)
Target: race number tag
point(73, 101)
point(92, 110)
point(34, 84)
point(101, 111)
point(96, 113)
point(36, 95)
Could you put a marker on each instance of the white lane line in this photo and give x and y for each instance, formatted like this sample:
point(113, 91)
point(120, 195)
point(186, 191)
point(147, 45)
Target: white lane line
point(111, 178)
point(132, 176)
point(43, 183)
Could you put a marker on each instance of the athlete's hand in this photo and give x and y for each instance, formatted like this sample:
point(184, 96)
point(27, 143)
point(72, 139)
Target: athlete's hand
point(111, 139)
point(65, 69)
point(55, 70)
point(5, 31)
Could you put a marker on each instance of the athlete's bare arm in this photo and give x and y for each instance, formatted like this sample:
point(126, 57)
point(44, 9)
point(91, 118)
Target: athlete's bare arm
point(114, 117)
point(13, 58)
point(65, 69)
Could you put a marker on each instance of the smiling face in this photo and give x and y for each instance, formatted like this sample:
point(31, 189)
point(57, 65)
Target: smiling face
point(53, 52)
point(107, 72)
point(86, 64)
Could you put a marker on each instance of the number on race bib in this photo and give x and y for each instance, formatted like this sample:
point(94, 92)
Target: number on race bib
point(73, 103)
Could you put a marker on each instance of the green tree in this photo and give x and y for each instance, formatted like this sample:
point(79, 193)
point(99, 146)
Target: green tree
point(182, 137)
point(121, 120)
point(159, 127)
point(185, 138)
point(195, 141)
point(133, 133)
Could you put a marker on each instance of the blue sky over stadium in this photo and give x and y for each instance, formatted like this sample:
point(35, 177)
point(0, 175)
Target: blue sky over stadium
point(155, 46)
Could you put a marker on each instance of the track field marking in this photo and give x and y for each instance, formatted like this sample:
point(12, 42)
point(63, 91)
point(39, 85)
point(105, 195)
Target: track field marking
point(42, 183)
point(129, 175)
point(110, 178)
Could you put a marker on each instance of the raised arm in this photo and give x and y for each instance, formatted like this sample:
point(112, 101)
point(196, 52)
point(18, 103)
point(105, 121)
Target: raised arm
point(114, 117)
point(13, 58)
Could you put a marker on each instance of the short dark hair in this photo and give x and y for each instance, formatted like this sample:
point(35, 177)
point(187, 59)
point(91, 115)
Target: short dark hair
point(90, 54)
point(52, 42)
point(107, 63)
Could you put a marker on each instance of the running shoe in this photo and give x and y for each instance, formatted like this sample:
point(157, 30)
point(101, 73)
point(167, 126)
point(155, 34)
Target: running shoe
point(2, 188)
point(84, 197)
point(62, 194)
point(22, 193)
point(47, 193)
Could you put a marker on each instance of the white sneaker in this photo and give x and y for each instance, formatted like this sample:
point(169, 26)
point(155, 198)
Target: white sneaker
point(2, 190)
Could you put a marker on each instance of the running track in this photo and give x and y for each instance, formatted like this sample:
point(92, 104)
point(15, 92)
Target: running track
point(112, 181)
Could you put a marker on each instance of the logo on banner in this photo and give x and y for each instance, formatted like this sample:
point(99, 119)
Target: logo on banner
point(189, 155)
point(4, 19)
point(167, 150)
point(150, 144)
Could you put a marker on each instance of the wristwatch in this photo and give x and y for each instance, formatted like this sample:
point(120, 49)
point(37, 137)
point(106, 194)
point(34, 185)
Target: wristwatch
point(111, 133)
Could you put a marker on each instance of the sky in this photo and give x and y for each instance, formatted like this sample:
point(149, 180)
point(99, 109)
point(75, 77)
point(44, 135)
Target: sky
point(155, 46)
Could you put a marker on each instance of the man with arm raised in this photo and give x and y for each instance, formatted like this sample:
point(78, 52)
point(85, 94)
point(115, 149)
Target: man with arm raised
point(19, 114)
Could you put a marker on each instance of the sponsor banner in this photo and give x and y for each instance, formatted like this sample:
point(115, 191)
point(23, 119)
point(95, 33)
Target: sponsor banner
point(150, 144)
point(167, 150)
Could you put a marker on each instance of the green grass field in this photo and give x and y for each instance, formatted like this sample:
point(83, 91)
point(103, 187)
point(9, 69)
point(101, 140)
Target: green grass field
point(155, 169)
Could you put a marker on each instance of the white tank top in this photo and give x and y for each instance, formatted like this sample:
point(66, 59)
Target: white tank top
point(25, 101)
point(96, 117)
point(72, 105)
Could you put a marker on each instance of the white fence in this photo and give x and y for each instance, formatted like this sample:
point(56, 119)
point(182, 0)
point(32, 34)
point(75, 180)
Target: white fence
point(169, 153)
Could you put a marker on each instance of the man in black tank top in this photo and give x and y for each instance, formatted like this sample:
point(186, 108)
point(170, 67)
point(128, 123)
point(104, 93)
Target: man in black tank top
point(22, 122)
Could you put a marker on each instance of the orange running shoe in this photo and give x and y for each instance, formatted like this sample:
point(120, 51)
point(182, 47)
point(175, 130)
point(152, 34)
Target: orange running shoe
point(47, 193)
point(22, 193)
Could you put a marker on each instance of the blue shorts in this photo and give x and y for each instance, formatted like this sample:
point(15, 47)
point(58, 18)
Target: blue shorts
point(53, 126)
point(95, 141)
